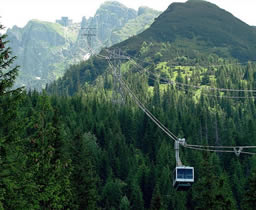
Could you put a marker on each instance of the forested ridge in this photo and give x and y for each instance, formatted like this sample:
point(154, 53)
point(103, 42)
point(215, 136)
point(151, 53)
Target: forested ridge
point(73, 147)
point(84, 152)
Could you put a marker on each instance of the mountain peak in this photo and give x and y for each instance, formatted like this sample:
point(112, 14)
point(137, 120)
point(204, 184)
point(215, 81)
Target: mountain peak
point(142, 10)
point(112, 7)
point(196, 1)
point(112, 4)
point(206, 27)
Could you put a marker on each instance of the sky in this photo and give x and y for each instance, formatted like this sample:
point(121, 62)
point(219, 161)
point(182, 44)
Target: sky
point(19, 12)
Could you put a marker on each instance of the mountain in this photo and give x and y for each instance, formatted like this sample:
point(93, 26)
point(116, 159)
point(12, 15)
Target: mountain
point(115, 22)
point(41, 49)
point(45, 50)
point(135, 26)
point(203, 26)
point(195, 33)
point(110, 16)
point(94, 151)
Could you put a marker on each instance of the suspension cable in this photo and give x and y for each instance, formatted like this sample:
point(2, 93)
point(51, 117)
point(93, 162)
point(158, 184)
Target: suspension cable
point(205, 66)
point(146, 111)
point(220, 149)
point(196, 86)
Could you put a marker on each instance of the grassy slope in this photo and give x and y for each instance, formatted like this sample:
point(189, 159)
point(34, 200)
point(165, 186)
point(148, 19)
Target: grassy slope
point(59, 29)
point(203, 26)
point(187, 34)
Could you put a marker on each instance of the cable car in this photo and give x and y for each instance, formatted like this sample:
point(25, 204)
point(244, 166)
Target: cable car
point(183, 177)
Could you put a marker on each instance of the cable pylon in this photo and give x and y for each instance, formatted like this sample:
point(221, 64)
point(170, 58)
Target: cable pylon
point(116, 56)
point(90, 33)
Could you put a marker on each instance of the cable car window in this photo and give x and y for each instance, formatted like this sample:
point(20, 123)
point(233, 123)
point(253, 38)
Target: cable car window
point(185, 174)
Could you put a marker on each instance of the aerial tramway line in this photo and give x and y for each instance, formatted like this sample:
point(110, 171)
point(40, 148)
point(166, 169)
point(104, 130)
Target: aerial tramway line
point(183, 176)
point(191, 88)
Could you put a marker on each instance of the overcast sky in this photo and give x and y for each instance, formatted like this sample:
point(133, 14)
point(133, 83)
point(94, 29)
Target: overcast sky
point(19, 12)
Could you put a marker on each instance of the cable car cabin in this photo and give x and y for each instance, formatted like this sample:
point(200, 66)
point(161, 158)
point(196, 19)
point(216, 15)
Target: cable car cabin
point(183, 178)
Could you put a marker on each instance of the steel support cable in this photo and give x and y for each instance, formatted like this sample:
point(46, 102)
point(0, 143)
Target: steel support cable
point(93, 51)
point(193, 147)
point(209, 150)
point(222, 147)
point(217, 147)
point(140, 103)
point(171, 135)
point(101, 56)
point(98, 54)
point(151, 116)
point(209, 88)
point(146, 111)
point(205, 66)
point(218, 150)
point(180, 87)
point(197, 86)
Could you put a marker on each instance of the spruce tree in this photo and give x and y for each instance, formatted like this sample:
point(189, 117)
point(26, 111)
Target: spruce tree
point(8, 73)
point(156, 201)
point(84, 176)
point(49, 171)
point(249, 200)
point(210, 191)
point(9, 126)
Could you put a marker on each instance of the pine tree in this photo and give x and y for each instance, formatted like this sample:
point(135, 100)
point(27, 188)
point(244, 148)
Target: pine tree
point(8, 73)
point(210, 191)
point(49, 172)
point(84, 176)
point(136, 198)
point(124, 204)
point(249, 200)
point(9, 126)
point(156, 201)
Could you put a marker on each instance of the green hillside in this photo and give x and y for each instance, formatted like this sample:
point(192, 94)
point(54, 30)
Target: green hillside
point(202, 26)
point(96, 139)
point(181, 36)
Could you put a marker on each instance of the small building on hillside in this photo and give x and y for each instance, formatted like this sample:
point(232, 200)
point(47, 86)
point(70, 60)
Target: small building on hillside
point(64, 21)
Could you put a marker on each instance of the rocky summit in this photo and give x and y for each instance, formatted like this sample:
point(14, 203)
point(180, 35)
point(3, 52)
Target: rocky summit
point(44, 50)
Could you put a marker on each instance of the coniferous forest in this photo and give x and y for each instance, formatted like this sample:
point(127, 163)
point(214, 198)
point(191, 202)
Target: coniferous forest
point(72, 147)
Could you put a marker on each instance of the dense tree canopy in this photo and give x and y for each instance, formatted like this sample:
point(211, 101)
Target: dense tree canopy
point(76, 149)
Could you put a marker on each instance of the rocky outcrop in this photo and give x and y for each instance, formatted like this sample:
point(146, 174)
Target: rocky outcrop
point(44, 50)
point(145, 17)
